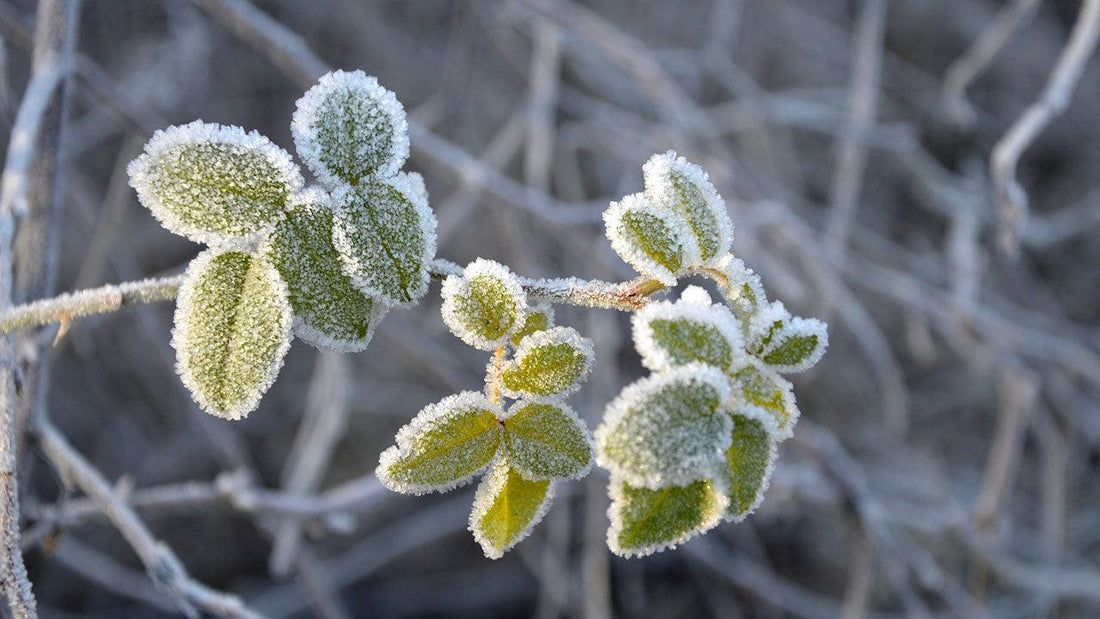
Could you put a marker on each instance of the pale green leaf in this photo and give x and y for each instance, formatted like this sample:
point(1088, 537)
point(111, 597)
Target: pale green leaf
point(232, 330)
point(755, 384)
point(797, 346)
point(348, 129)
point(506, 507)
point(329, 312)
point(749, 462)
point(650, 240)
point(691, 330)
point(385, 235)
point(548, 363)
point(547, 441)
point(645, 521)
point(675, 185)
point(539, 318)
point(742, 287)
point(666, 429)
point(485, 305)
point(444, 446)
point(214, 184)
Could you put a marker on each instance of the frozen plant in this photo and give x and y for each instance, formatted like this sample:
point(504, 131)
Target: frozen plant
point(690, 445)
point(329, 260)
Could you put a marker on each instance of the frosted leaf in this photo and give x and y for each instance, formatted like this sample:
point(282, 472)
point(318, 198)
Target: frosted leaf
point(329, 312)
point(674, 184)
point(232, 330)
point(539, 318)
point(750, 460)
point(212, 183)
point(446, 445)
point(655, 242)
point(547, 441)
point(548, 363)
point(757, 385)
point(743, 290)
point(417, 186)
point(485, 305)
point(645, 520)
point(764, 325)
point(797, 346)
point(691, 330)
point(348, 129)
point(385, 234)
point(506, 507)
point(666, 429)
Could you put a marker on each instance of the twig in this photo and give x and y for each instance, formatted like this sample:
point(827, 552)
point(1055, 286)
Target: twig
point(163, 566)
point(1017, 392)
point(852, 152)
point(1054, 99)
point(977, 59)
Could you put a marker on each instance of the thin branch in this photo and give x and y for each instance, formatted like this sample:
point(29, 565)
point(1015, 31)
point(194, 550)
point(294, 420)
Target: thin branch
point(1054, 99)
point(160, 562)
point(977, 59)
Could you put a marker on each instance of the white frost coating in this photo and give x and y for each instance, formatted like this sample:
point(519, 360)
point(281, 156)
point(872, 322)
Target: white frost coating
point(721, 480)
point(738, 277)
point(325, 342)
point(354, 265)
point(573, 416)
point(669, 452)
point(552, 336)
point(798, 326)
point(141, 174)
point(633, 255)
point(181, 334)
point(694, 306)
point(368, 105)
point(430, 415)
point(660, 191)
point(781, 431)
point(615, 493)
point(455, 286)
point(486, 494)
point(762, 323)
point(416, 184)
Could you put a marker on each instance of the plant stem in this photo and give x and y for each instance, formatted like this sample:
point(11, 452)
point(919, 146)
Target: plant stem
point(494, 378)
point(626, 296)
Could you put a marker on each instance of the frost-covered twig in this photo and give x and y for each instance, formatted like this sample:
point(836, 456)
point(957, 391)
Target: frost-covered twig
point(627, 296)
point(102, 300)
point(163, 566)
point(977, 59)
point(1054, 99)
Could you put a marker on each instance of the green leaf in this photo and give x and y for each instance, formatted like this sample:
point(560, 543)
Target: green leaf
point(786, 344)
point(348, 128)
point(485, 305)
point(666, 429)
point(755, 384)
point(742, 287)
point(691, 330)
point(444, 446)
point(547, 441)
point(650, 240)
point(232, 330)
point(330, 312)
point(750, 459)
point(645, 521)
point(539, 318)
point(506, 507)
point(385, 234)
point(548, 363)
point(214, 184)
point(675, 185)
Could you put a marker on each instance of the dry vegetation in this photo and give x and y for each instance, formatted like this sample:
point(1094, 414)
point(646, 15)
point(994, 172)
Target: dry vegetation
point(946, 463)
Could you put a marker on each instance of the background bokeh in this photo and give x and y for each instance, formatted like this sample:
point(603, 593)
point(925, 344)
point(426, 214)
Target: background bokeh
point(946, 463)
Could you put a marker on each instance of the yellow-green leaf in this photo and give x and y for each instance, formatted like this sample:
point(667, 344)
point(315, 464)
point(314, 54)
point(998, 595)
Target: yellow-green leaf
point(232, 330)
point(506, 507)
point(444, 446)
point(547, 441)
point(673, 184)
point(755, 384)
point(691, 330)
point(750, 458)
point(329, 311)
point(214, 184)
point(548, 363)
point(650, 240)
point(645, 521)
point(484, 305)
point(539, 318)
